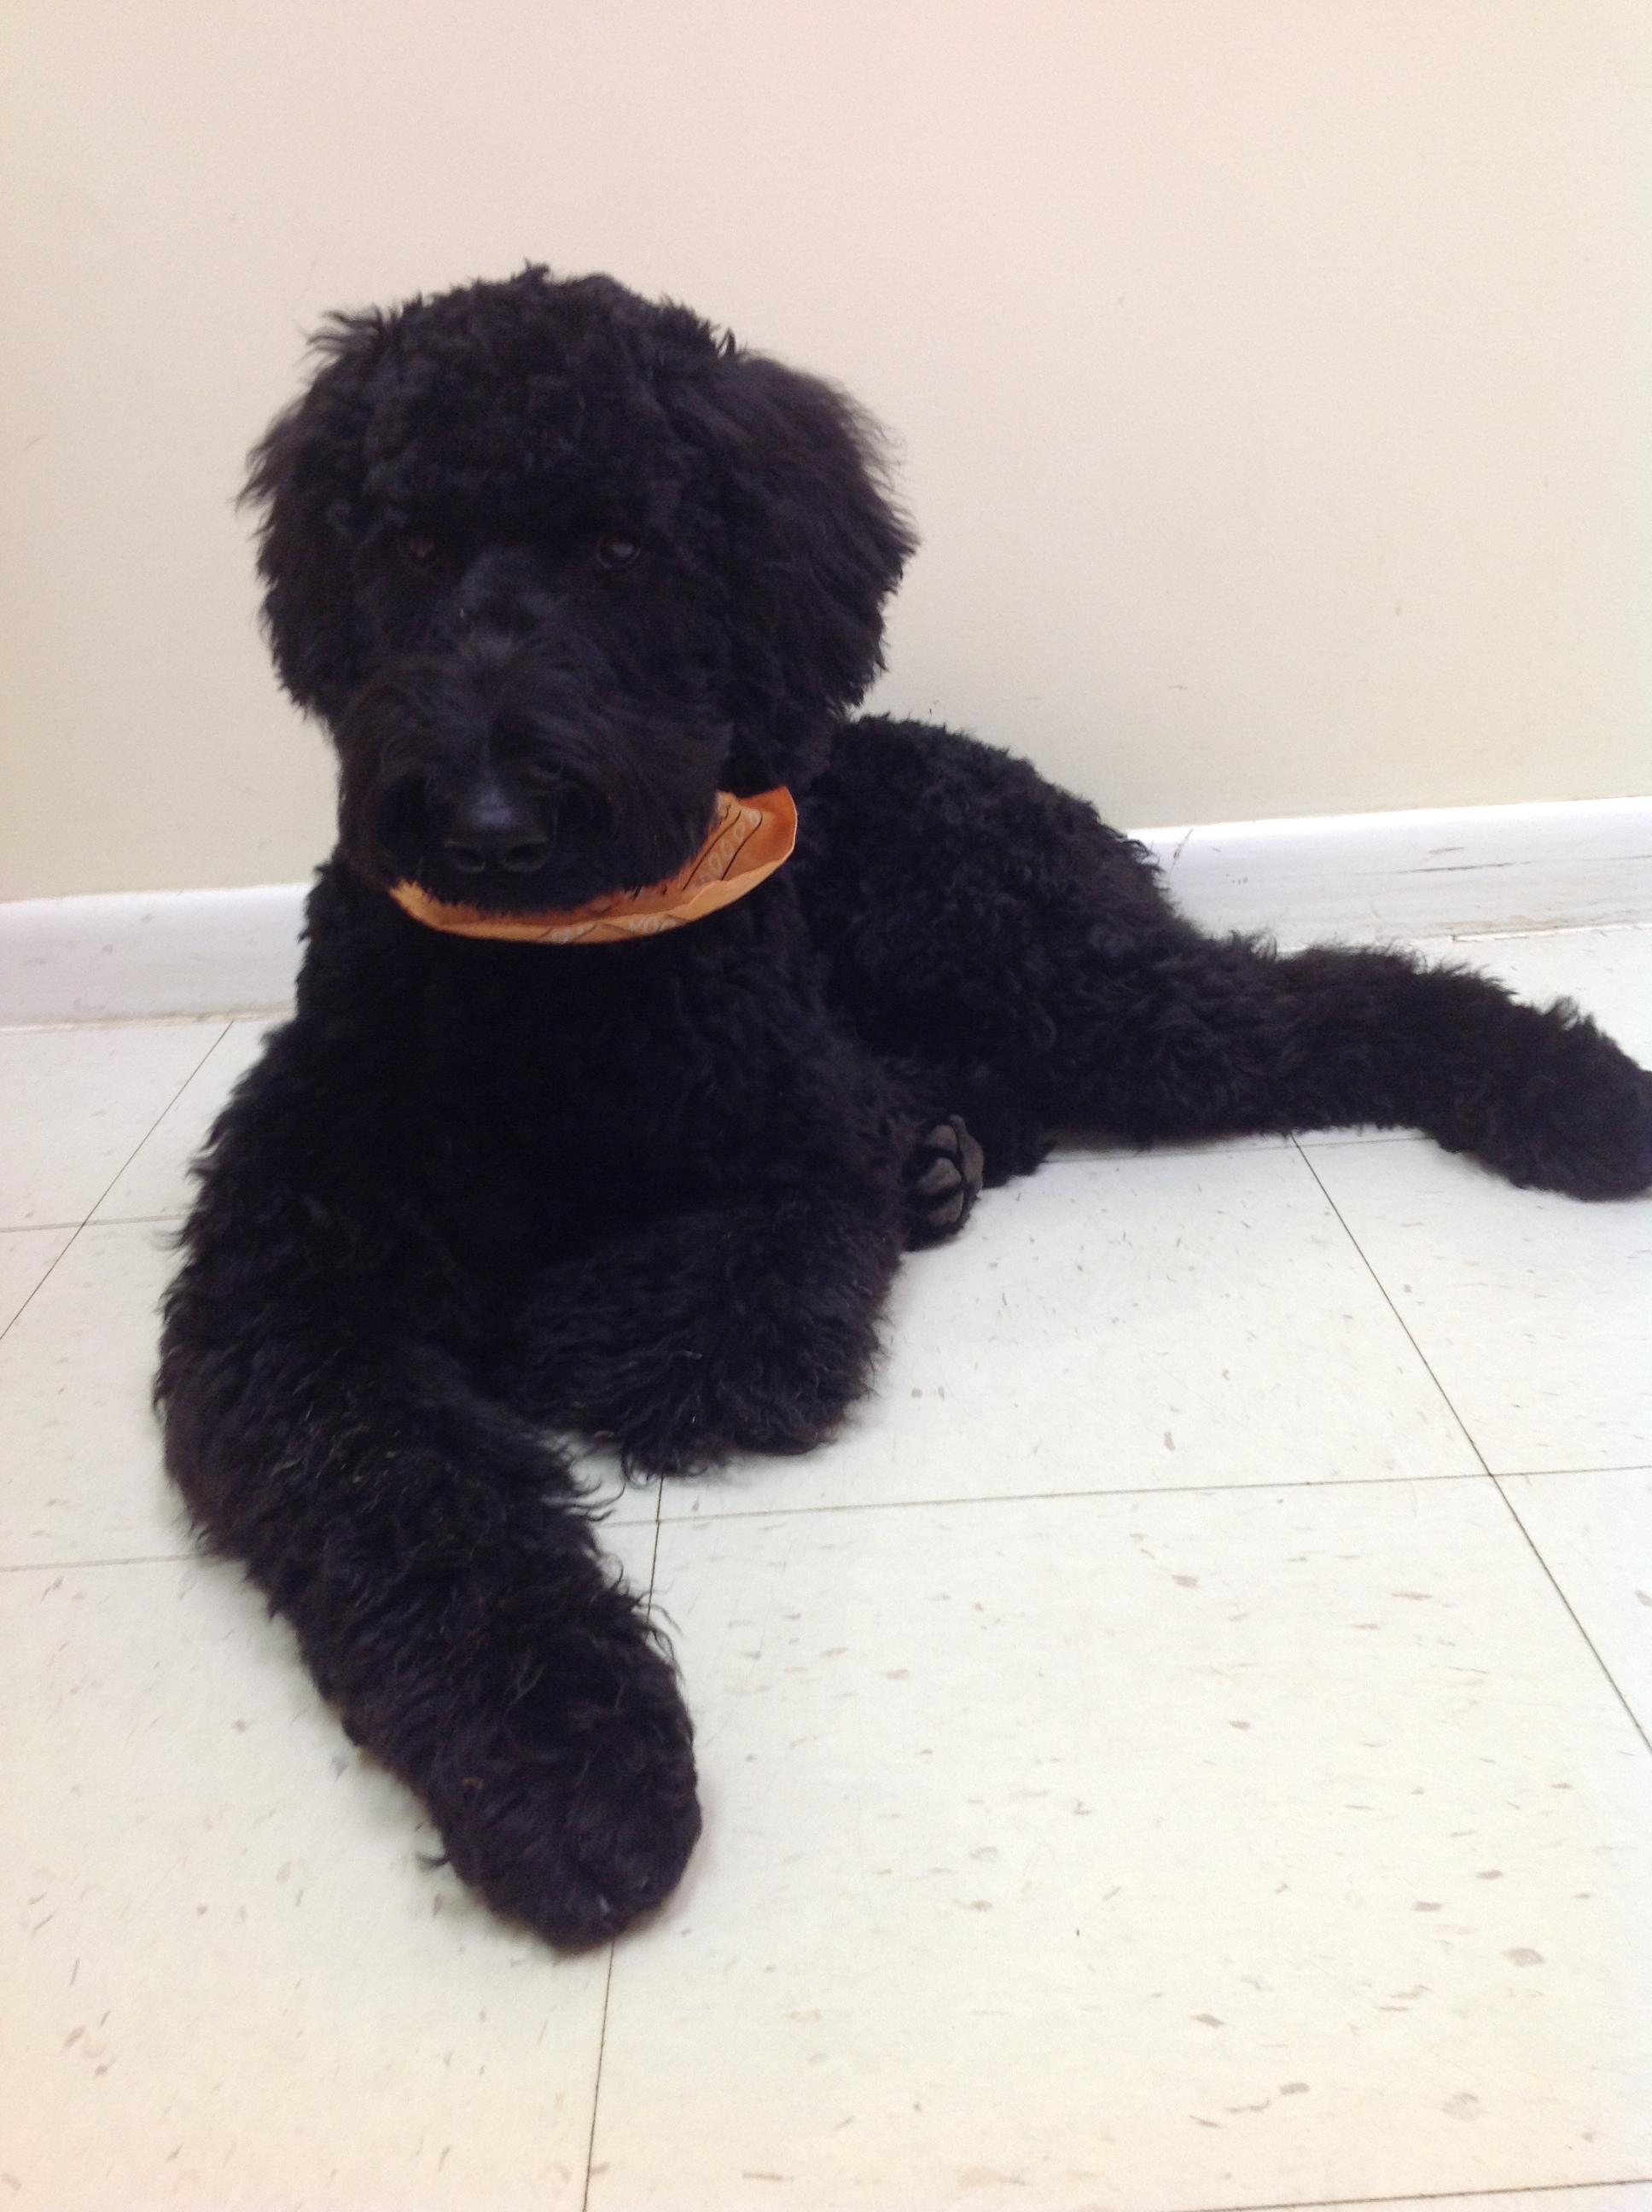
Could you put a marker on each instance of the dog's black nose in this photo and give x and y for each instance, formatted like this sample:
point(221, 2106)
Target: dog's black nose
point(490, 827)
point(525, 857)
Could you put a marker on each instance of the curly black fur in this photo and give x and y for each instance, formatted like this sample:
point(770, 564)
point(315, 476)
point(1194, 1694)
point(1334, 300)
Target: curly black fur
point(554, 565)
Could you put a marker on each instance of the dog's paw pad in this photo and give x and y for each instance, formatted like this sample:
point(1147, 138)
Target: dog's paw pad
point(944, 1178)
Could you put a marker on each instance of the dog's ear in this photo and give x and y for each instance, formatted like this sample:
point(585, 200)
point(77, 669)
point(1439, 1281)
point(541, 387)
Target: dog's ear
point(813, 548)
point(305, 475)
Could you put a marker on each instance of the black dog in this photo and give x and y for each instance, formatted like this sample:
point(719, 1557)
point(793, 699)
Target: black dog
point(557, 567)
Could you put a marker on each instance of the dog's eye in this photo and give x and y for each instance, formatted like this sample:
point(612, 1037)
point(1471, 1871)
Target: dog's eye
point(616, 550)
point(420, 548)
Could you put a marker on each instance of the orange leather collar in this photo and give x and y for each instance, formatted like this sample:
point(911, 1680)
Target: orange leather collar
point(750, 838)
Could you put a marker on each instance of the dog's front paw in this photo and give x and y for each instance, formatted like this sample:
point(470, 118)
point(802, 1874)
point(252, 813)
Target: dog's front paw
point(943, 1182)
point(574, 1815)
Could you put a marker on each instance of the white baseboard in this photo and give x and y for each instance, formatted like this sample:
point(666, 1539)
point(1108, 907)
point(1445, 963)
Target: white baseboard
point(120, 955)
point(1474, 871)
point(1437, 872)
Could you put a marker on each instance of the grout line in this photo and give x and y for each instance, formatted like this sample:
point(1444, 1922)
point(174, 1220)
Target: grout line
point(73, 1566)
point(1388, 1301)
point(1635, 1722)
point(1509, 1504)
point(73, 1228)
point(608, 1979)
point(1556, 929)
point(596, 2087)
point(155, 1124)
point(150, 1021)
point(1100, 1153)
point(1540, 1473)
point(1058, 1497)
point(89, 1221)
point(135, 1220)
point(1328, 1141)
point(1464, 2196)
point(654, 1556)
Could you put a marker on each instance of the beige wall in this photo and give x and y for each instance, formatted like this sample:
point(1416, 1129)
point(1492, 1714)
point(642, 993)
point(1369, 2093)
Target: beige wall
point(1270, 376)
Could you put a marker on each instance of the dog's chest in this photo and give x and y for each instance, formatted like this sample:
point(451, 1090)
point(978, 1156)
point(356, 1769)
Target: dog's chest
point(559, 1094)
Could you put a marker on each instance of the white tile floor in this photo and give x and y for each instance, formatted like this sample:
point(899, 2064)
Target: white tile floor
point(1185, 1747)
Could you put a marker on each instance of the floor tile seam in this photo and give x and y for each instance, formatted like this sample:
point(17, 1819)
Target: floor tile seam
point(1310, 1141)
point(1559, 929)
point(1383, 1291)
point(1223, 1147)
point(1639, 1726)
point(118, 1022)
point(1059, 1497)
point(223, 1032)
point(653, 1559)
point(608, 1978)
point(73, 1566)
point(1363, 1133)
point(596, 2085)
point(1565, 1473)
point(75, 1229)
point(137, 1220)
point(1466, 2197)
point(1124, 1154)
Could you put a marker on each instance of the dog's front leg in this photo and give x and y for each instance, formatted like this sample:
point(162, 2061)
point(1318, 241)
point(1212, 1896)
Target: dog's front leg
point(429, 1551)
point(748, 1327)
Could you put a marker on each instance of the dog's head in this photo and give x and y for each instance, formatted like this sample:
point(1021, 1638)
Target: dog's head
point(554, 564)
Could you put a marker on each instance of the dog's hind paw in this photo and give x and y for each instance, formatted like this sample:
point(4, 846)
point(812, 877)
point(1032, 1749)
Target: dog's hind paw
point(1579, 1121)
point(943, 1182)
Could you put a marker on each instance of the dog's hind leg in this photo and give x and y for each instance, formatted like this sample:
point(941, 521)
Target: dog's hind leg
point(1204, 1038)
point(982, 922)
point(1187, 1036)
point(429, 1551)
